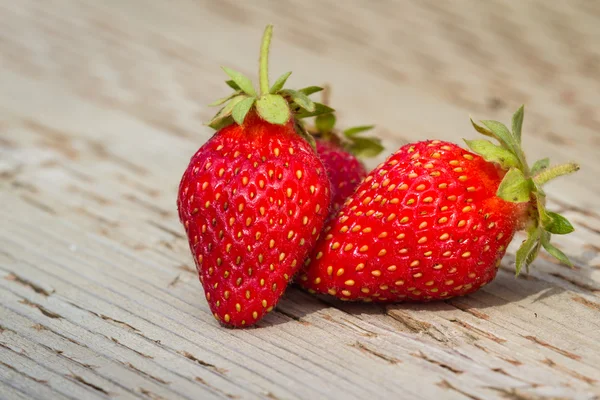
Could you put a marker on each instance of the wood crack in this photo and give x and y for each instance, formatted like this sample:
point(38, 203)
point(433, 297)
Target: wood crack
point(61, 353)
point(40, 206)
point(590, 304)
point(148, 206)
point(88, 384)
point(203, 363)
point(417, 326)
point(149, 394)
point(589, 227)
point(216, 389)
point(367, 333)
point(574, 282)
point(117, 322)
point(42, 381)
point(478, 331)
point(389, 359)
point(170, 231)
point(450, 368)
point(155, 378)
point(43, 310)
point(129, 348)
point(447, 385)
point(565, 353)
point(463, 306)
point(24, 282)
point(566, 370)
point(107, 318)
point(175, 281)
point(516, 394)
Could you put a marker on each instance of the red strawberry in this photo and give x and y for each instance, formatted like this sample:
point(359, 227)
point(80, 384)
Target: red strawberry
point(340, 154)
point(434, 221)
point(254, 198)
point(344, 170)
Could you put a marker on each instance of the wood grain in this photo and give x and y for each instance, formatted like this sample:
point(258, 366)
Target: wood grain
point(101, 106)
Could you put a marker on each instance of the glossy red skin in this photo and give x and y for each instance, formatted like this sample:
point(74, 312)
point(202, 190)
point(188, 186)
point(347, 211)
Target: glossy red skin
point(389, 240)
point(242, 194)
point(344, 170)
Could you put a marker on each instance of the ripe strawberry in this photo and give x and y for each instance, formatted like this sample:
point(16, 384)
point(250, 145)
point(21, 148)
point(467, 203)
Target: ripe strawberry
point(434, 221)
point(341, 153)
point(254, 198)
point(344, 170)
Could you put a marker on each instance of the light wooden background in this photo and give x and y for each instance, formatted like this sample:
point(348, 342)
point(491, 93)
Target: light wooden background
point(101, 106)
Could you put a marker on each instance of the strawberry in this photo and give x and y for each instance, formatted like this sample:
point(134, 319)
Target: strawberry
point(434, 220)
point(341, 153)
point(254, 198)
point(344, 170)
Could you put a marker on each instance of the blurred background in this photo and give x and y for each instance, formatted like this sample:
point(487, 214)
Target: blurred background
point(102, 103)
point(132, 78)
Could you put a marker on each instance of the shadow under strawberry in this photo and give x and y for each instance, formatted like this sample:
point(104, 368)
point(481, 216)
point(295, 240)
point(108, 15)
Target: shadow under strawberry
point(505, 289)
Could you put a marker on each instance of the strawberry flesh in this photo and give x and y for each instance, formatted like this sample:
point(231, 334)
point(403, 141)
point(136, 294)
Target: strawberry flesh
point(344, 170)
point(425, 225)
point(253, 201)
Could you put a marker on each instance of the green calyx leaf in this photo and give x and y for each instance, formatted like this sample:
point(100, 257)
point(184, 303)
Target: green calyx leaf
point(501, 132)
point(517, 124)
point(273, 108)
point(365, 147)
point(273, 104)
point(528, 251)
point(351, 132)
point(481, 129)
point(362, 147)
point(319, 109)
point(522, 184)
point(556, 223)
point(526, 248)
point(493, 153)
point(325, 122)
point(510, 141)
point(549, 223)
point(241, 80)
point(223, 117)
point(225, 99)
point(555, 252)
point(241, 109)
point(515, 187)
point(233, 85)
point(221, 123)
point(279, 83)
point(324, 129)
point(533, 255)
point(540, 165)
point(299, 99)
point(310, 90)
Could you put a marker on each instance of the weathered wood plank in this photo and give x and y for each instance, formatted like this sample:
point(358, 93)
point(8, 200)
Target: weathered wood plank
point(101, 107)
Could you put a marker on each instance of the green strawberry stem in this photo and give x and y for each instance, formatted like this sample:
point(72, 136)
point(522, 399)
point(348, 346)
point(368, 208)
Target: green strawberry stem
point(273, 104)
point(522, 184)
point(554, 172)
point(264, 60)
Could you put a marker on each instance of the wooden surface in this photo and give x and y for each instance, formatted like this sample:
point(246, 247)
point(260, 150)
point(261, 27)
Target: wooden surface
point(101, 106)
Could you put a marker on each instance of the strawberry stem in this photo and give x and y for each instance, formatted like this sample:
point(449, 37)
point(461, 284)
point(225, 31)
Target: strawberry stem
point(554, 172)
point(274, 105)
point(521, 184)
point(263, 72)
